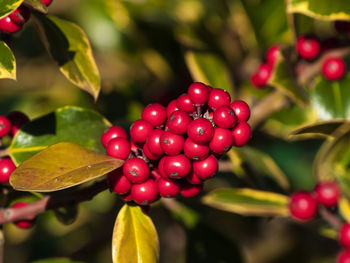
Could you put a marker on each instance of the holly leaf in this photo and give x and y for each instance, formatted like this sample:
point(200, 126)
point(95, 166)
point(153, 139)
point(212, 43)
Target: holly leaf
point(135, 238)
point(7, 62)
point(8, 6)
point(66, 124)
point(38, 5)
point(61, 166)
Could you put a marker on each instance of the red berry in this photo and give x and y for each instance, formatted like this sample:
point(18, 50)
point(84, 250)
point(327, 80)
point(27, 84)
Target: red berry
point(20, 15)
point(192, 178)
point(111, 133)
point(161, 167)
point(224, 117)
point(241, 134)
point(177, 166)
point(136, 170)
point(8, 26)
point(47, 2)
point(171, 108)
point(178, 122)
point(118, 148)
point(145, 193)
point(153, 142)
point(241, 110)
point(200, 130)
point(261, 76)
point(171, 143)
point(155, 114)
point(217, 98)
point(272, 54)
point(127, 197)
point(6, 169)
point(308, 47)
point(149, 154)
point(23, 223)
point(302, 206)
point(222, 141)
point(198, 93)
point(17, 119)
point(343, 256)
point(333, 68)
point(168, 188)
point(190, 190)
point(206, 168)
point(195, 151)
point(344, 235)
point(140, 130)
point(118, 182)
point(5, 126)
point(327, 193)
point(185, 104)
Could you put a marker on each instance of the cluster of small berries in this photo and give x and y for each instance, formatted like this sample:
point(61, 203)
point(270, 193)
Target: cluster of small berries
point(172, 150)
point(14, 22)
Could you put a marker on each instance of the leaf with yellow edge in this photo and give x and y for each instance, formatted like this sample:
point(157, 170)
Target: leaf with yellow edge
point(7, 62)
point(8, 6)
point(61, 166)
point(245, 201)
point(37, 5)
point(135, 238)
point(344, 208)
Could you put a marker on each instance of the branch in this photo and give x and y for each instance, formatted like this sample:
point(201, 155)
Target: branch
point(332, 219)
point(4, 153)
point(32, 210)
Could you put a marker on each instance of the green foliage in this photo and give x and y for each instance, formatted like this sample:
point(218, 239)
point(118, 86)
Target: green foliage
point(7, 62)
point(56, 260)
point(67, 215)
point(37, 5)
point(8, 6)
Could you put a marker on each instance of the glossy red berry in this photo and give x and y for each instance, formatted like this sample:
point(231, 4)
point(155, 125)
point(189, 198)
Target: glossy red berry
point(195, 151)
point(178, 122)
point(161, 168)
point(222, 141)
point(241, 134)
point(308, 47)
point(224, 117)
point(6, 169)
point(217, 98)
point(272, 54)
point(185, 104)
point(327, 193)
point(127, 197)
point(8, 26)
point(333, 68)
point(206, 168)
point(192, 178)
point(20, 15)
point(47, 2)
point(153, 142)
point(241, 110)
point(200, 130)
point(5, 126)
point(140, 130)
point(118, 148)
point(168, 188)
point(145, 193)
point(155, 114)
point(118, 182)
point(149, 154)
point(190, 190)
point(177, 166)
point(344, 235)
point(198, 93)
point(171, 108)
point(171, 143)
point(111, 133)
point(24, 224)
point(136, 170)
point(261, 76)
point(343, 256)
point(302, 206)
point(17, 120)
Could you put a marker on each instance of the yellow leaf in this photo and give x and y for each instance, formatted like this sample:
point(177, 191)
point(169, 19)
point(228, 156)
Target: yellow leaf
point(344, 207)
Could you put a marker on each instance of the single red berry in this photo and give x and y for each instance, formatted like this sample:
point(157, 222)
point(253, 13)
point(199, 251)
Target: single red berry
point(136, 170)
point(47, 2)
point(155, 114)
point(206, 168)
point(145, 193)
point(185, 104)
point(140, 130)
point(24, 224)
point(261, 76)
point(241, 134)
point(178, 122)
point(224, 117)
point(149, 154)
point(168, 188)
point(118, 148)
point(272, 54)
point(118, 182)
point(195, 151)
point(190, 190)
point(171, 143)
point(241, 110)
point(342, 26)
point(153, 142)
point(308, 47)
point(198, 93)
point(200, 130)
point(161, 168)
point(20, 15)
point(171, 108)
point(17, 119)
point(127, 197)
point(177, 166)
point(333, 68)
point(5, 126)
point(343, 256)
point(217, 98)
point(8, 26)
point(192, 178)
point(344, 235)
point(302, 205)
point(111, 133)
point(327, 193)
point(222, 140)
point(6, 169)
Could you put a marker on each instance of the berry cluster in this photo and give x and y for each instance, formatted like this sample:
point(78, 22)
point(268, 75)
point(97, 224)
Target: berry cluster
point(173, 150)
point(14, 22)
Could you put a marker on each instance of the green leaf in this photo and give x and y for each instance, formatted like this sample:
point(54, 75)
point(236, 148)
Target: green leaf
point(61, 166)
point(37, 5)
point(331, 99)
point(321, 9)
point(67, 215)
point(8, 6)
point(135, 238)
point(7, 62)
point(70, 48)
point(247, 201)
point(56, 260)
point(66, 124)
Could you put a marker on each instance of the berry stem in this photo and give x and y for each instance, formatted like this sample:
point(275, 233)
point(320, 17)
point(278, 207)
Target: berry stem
point(4, 153)
point(331, 218)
